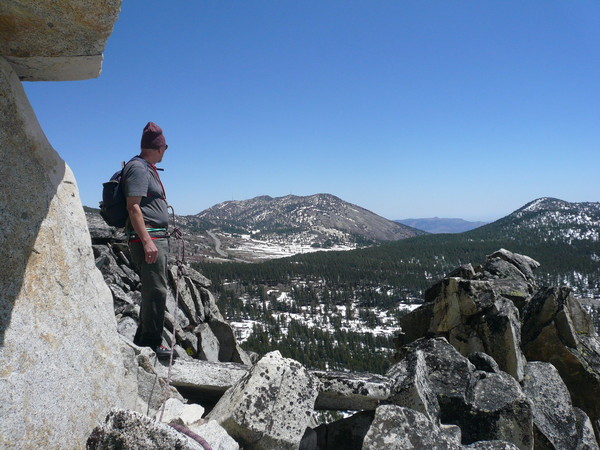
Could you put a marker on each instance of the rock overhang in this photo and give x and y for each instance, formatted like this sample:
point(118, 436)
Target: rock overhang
point(46, 40)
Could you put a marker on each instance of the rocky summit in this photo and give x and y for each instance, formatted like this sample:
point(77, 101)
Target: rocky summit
point(490, 360)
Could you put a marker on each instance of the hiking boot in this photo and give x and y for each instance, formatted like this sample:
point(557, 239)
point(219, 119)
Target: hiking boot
point(163, 352)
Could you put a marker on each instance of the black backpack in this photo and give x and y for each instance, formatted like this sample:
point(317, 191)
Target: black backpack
point(113, 207)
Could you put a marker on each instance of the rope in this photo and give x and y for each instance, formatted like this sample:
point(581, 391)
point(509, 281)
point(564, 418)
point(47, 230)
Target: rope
point(191, 434)
point(181, 272)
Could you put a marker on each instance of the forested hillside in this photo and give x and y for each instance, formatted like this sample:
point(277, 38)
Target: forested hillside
point(320, 295)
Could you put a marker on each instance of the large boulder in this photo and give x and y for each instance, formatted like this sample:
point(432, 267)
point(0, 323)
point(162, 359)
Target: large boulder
point(351, 391)
point(134, 431)
point(215, 435)
point(62, 368)
point(475, 310)
point(411, 387)
point(556, 424)
point(557, 330)
point(48, 43)
point(398, 428)
point(434, 379)
point(271, 406)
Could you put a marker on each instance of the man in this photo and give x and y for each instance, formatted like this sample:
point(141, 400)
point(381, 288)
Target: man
point(148, 240)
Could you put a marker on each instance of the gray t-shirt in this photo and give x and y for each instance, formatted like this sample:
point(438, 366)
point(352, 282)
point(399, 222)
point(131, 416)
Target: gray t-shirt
point(140, 179)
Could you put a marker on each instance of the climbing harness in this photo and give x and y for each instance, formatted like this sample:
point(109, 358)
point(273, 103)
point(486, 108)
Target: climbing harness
point(181, 272)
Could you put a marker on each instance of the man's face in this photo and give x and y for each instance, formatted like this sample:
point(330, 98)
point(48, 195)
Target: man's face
point(162, 151)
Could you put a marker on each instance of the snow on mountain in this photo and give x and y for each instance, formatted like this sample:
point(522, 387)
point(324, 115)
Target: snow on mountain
point(330, 214)
point(554, 219)
point(265, 227)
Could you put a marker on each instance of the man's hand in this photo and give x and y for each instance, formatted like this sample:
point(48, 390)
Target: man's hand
point(150, 252)
point(137, 221)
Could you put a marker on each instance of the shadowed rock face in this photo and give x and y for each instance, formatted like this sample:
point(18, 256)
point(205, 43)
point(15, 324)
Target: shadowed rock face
point(57, 328)
point(497, 310)
point(557, 330)
point(61, 368)
point(475, 309)
point(436, 380)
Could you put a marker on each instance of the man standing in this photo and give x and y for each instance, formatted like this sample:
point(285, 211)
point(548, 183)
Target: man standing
point(148, 239)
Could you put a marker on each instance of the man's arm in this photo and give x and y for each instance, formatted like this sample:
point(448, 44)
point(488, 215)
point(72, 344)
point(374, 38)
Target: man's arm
point(137, 221)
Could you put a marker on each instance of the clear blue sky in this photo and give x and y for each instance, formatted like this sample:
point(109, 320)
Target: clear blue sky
point(408, 108)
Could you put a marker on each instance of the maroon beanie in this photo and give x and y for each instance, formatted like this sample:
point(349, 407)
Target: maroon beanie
point(152, 137)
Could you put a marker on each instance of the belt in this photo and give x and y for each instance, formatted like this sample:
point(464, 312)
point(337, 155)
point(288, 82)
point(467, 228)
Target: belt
point(134, 237)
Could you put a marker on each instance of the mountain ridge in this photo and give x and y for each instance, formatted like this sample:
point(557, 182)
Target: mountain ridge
point(441, 224)
point(295, 211)
point(562, 236)
point(266, 227)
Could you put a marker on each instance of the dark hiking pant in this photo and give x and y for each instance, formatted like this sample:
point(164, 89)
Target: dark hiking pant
point(154, 293)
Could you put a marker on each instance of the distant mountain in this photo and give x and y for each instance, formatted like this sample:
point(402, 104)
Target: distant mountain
point(562, 236)
point(364, 292)
point(441, 225)
point(322, 213)
point(265, 227)
point(547, 220)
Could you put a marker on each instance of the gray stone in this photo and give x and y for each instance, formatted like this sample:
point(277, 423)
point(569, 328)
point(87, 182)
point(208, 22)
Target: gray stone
point(197, 298)
point(198, 278)
point(309, 440)
point(229, 349)
point(451, 434)
point(492, 445)
point(182, 320)
point(215, 435)
point(271, 406)
point(170, 411)
point(473, 318)
point(45, 43)
point(134, 431)
point(151, 382)
point(553, 415)
point(185, 298)
point(398, 428)
point(351, 391)
point(585, 431)
point(175, 411)
point(126, 327)
point(100, 232)
point(347, 434)
point(415, 325)
point(411, 387)
point(525, 264)
point(207, 379)
point(338, 390)
point(208, 344)
point(555, 331)
point(485, 405)
point(449, 373)
point(211, 310)
point(497, 410)
point(483, 361)
point(58, 334)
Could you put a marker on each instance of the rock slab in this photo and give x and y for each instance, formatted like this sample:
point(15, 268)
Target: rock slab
point(271, 406)
point(58, 334)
